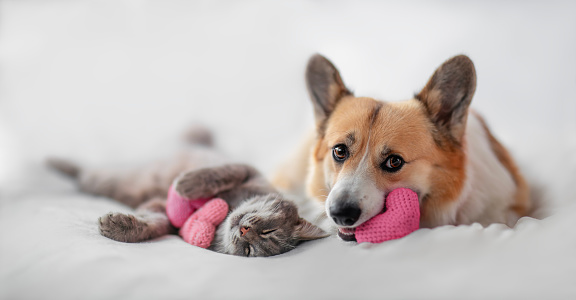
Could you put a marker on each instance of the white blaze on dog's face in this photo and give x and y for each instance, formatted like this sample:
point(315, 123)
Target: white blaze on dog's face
point(366, 148)
point(369, 149)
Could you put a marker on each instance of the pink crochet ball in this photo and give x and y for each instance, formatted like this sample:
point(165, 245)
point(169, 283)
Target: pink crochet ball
point(401, 217)
point(196, 218)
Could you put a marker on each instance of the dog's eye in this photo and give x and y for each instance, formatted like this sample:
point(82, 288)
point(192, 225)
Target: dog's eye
point(393, 163)
point(340, 152)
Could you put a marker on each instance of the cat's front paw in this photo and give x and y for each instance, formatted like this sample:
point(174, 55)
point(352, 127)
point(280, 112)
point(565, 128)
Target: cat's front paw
point(199, 184)
point(121, 227)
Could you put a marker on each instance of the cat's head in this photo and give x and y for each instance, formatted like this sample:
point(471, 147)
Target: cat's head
point(265, 226)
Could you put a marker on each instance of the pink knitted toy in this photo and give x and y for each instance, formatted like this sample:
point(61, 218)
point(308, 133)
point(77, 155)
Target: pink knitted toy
point(402, 217)
point(197, 219)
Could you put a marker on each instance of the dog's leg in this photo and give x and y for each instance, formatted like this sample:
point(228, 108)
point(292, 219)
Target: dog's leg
point(149, 222)
point(290, 176)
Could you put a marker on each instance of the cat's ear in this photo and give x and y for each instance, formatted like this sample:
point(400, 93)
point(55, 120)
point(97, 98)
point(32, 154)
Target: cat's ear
point(306, 231)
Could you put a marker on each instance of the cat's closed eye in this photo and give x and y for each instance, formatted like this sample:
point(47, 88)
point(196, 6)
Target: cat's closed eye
point(248, 250)
point(268, 231)
point(264, 226)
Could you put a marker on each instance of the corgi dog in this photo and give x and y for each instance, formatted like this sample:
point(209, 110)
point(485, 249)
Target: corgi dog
point(432, 144)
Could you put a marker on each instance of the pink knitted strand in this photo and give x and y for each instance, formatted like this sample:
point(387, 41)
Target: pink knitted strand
point(200, 227)
point(179, 208)
point(402, 217)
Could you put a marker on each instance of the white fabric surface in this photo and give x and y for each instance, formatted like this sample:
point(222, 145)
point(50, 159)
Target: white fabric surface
point(116, 82)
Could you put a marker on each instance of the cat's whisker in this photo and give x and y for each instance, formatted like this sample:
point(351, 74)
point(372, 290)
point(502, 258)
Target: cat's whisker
point(277, 206)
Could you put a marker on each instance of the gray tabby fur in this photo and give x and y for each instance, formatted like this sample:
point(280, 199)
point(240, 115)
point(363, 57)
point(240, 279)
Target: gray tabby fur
point(274, 223)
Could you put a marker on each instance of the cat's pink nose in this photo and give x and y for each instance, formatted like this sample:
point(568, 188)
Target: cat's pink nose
point(244, 230)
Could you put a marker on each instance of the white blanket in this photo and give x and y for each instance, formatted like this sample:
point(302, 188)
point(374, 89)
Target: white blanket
point(116, 82)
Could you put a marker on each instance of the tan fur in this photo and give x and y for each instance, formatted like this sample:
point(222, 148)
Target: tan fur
point(448, 164)
point(522, 203)
point(404, 128)
point(289, 176)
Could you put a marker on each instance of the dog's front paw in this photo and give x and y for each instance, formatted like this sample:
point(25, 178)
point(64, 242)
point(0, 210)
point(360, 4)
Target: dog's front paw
point(121, 227)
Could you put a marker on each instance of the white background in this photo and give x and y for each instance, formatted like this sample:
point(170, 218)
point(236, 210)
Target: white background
point(117, 82)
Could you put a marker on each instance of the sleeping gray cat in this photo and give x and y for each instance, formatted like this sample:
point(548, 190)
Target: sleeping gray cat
point(262, 221)
point(273, 221)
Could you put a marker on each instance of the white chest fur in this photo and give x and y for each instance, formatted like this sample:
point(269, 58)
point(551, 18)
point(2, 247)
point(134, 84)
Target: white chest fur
point(489, 188)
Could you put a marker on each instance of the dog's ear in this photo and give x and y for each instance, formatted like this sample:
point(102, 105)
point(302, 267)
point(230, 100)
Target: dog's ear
point(325, 87)
point(448, 94)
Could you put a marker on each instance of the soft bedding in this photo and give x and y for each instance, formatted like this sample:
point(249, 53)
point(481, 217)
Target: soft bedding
point(116, 82)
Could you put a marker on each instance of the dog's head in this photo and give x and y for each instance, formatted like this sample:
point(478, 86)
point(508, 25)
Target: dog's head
point(366, 148)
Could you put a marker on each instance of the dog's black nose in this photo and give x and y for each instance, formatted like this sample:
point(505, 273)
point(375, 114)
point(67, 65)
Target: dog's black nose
point(345, 215)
